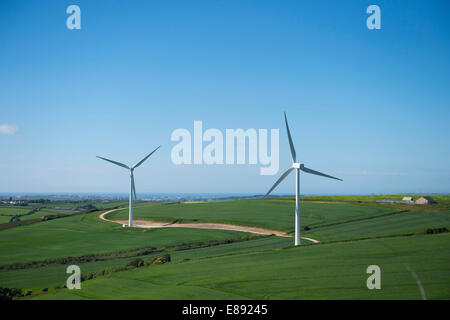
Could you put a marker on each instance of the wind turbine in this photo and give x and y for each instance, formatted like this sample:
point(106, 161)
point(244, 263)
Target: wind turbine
point(132, 187)
point(297, 166)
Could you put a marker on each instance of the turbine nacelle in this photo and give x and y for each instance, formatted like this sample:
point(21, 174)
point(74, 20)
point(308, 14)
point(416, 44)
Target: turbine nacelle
point(297, 165)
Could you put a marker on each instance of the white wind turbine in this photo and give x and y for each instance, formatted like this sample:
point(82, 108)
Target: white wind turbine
point(297, 166)
point(132, 187)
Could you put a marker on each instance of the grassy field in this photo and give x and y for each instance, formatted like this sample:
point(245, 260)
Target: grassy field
point(36, 211)
point(272, 214)
point(329, 271)
point(219, 264)
point(86, 234)
point(401, 223)
point(6, 212)
point(12, 210)
point(55, 275)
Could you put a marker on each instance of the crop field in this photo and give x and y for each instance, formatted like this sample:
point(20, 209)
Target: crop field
point(370, 198)
point(395, 224)
point(85, 234)
point(55, 274)
point(329, 271)
point(32, 212)
point(221, 264)
point(6, 213)
point(277, 215)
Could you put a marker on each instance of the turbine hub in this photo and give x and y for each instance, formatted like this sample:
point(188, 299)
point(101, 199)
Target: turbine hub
point(297, 165)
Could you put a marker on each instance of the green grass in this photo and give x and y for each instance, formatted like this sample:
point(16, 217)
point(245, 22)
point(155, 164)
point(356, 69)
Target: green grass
point(328, 271)
point(85, 234)
point(77, 204)
point(14, 210)
point(278, 215)
point(55, 275)
point(5, 219)
point(261, 268)
point(50, 276)
point(111, 204)
point(406, 222)
point(6, 213)
point(46, 212)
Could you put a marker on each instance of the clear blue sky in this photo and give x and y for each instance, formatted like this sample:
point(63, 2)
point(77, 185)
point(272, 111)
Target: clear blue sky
point(369, 106)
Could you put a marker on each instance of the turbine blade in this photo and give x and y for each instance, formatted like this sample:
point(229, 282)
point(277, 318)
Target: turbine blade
point(318, 173)
point(283, 176)
point(133, 186)
point(140, 162)
point(115, 162)
point(291, 144)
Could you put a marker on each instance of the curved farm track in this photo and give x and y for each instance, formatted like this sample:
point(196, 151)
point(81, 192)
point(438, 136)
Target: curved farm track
point(217, 226)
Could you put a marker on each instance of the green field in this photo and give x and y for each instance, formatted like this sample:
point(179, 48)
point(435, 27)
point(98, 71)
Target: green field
point(55, 275)
point(292, 273)
point(401, 223)
point(86, 234)
point(31, 212)
point(6, 212)
point(277, 215)
point(220, 264)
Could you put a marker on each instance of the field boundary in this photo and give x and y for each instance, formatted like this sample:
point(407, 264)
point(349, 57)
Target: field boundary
point(9, 225)
point(131, 253)
point(356, 220)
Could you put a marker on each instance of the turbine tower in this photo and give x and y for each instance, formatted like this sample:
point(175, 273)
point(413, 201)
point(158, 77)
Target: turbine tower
point(297, 166)
point(132, 187)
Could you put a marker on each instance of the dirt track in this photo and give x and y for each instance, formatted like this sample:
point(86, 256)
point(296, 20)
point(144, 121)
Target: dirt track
point(219, 226)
